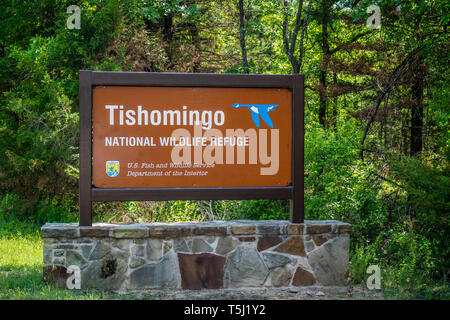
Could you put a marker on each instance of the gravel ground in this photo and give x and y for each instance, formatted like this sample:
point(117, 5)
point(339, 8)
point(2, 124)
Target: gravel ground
point(309, 293)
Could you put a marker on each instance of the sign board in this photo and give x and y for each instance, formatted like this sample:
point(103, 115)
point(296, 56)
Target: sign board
point(164, 136)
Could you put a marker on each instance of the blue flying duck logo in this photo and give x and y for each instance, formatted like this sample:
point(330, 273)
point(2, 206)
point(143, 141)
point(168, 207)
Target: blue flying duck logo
point(259, 110)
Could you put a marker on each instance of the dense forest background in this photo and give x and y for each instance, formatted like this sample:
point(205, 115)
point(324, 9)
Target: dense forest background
point(376, 118)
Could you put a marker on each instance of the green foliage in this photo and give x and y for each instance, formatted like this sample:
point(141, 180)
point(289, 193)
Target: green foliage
point(261, 210)
point(412, 252)
point(38, 117)
point(13, 206)
point(56, 209)
point(363, 255)
point(330, 158)
point(338, 184)
point(174, 211)
point(426, 185)
point(400, 224)
point(38, 129)
point(406, 263)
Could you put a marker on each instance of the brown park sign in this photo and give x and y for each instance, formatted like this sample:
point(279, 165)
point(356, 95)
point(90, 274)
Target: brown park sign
point(147, 136)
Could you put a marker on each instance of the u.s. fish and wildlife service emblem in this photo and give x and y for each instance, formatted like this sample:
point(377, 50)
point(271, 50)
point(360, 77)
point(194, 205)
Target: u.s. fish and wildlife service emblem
point(112, 168)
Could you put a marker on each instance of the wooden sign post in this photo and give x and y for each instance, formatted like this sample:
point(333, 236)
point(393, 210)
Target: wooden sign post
point(168, 136)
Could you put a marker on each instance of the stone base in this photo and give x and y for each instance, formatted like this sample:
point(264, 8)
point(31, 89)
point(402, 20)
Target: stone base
point(199, 255)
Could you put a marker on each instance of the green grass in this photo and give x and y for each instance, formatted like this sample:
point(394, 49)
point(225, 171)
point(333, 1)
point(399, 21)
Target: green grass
point(21, 272)
point(21, 266)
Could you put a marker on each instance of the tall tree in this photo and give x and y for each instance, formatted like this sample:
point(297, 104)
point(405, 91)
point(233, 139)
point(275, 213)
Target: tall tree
point(290, 38)
point(340, 40)
point(424, 24)
point(417, 106)
point(242, 35)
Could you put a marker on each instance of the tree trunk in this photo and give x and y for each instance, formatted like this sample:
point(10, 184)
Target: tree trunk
point(335, 105)
point(404, 143)
point(323, 99)
point(168, 36)
point(242, 36)
point(196, 42)
point(417, 108)
point(323, 72)
point(289, 42)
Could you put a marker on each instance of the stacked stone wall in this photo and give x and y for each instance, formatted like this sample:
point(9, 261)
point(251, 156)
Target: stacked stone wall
point(199, 255)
